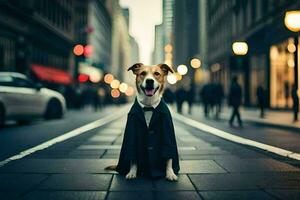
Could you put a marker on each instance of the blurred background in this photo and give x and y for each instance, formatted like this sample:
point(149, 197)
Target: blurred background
point(82, 48)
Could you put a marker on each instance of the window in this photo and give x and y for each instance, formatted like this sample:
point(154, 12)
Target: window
point(21, 82)
point(6, 80)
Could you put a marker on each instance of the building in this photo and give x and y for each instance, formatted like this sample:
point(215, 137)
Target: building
point(269, 61)
point(135, 55)
point(36, 37)
point(121, 49)
point(158, 51)
point(93, 29)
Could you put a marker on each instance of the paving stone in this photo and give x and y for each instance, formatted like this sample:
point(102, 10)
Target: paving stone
point(65, 195)
point(183, 183)
point(20, 182)
point(77, 182)
point(277, 180)
point(9, 195)
point(99, 147)
point(111, 131)
point(120, 183)
point(235, 195)
point(178, 195)
point(203, 152)
point(200, 166)
point(140, 195)
point(256, 165)
point(103, 138)
point(59, 166)
point(87, 152)
point(206, 157)
point(285, 194)
point(223, 182)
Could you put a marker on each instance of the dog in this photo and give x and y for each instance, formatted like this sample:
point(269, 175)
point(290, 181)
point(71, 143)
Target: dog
point(149, 144)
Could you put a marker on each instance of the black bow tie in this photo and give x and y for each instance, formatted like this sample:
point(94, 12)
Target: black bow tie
point(145, 109)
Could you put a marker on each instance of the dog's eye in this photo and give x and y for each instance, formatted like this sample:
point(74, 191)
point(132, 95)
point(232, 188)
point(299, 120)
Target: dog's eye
point(156, 73)
point(143, 73)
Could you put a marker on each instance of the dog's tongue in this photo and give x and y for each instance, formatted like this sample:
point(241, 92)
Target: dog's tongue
point(149, 92)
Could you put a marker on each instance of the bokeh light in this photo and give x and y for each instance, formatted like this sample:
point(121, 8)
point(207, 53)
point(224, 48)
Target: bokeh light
point(78, 50)
point(182, 69)
point(240, 48)
point(123, 87)
point(292, 20)
point(129, 91)
point(178, 76)
point(108, 78)
point(168, 48)
point(115, 93)
point(115, 84)
point(171, 78)
point(195, 63)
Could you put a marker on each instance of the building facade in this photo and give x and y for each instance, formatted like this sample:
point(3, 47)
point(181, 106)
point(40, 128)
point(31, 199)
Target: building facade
point(36, 35)
point(93, 28)
point(158, 51)
point(269, 62)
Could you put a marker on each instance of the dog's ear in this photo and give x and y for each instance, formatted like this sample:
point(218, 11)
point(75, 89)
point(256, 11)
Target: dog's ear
point(135, 67)
point(166, 68)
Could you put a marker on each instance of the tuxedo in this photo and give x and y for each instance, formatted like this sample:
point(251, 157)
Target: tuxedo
point(149, 145)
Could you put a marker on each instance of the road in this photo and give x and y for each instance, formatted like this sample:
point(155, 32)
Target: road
point(211, 167)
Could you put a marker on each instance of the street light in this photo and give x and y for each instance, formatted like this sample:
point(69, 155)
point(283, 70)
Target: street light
point(292, 22)
point(240, 48)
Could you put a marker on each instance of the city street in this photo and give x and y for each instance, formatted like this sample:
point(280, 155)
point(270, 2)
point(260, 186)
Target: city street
point(73, 168)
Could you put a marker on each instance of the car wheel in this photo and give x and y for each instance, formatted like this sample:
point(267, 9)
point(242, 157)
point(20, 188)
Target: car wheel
point(2, 116)
point(53, 110)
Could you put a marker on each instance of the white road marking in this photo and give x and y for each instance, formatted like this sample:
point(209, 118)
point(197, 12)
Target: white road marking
point(78, 131)
point(234, 138)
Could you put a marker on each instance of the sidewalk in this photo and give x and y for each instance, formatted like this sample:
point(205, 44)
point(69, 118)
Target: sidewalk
point(273, 118)
point(211, 168)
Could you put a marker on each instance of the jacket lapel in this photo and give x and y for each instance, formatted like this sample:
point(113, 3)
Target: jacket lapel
point(138, 112)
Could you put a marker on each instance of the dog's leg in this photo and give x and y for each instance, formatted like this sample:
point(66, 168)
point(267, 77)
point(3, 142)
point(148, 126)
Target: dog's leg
point(170, 175)
point(132, 172)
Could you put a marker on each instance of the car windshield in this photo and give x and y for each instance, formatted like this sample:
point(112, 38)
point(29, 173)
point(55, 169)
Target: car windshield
point(6, 80)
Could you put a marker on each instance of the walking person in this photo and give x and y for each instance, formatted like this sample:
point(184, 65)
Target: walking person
point(295, 102)
point(260, 94)
point(205, 97)
point(180, 97)
point(235, 100)
point(218, 98)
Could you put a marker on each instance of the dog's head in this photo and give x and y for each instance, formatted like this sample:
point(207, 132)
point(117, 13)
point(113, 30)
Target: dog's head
point(150, 79)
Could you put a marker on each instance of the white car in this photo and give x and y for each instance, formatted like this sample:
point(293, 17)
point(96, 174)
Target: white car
point(22, 100)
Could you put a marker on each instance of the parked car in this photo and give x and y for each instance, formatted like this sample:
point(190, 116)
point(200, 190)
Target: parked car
point(23, 100)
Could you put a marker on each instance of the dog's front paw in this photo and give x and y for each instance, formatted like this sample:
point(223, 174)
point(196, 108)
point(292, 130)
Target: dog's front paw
point(131, 175)
point(170, 175)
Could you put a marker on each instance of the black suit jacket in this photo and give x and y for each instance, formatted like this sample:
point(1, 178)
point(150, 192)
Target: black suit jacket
point(150, 147)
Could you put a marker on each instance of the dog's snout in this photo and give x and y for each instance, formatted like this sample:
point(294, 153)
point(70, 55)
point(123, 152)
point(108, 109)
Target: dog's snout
point(149, 82)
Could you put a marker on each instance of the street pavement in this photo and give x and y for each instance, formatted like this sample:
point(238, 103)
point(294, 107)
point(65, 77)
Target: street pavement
point(211, 168)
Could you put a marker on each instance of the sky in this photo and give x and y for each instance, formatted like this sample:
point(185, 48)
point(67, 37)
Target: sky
point(144, 15)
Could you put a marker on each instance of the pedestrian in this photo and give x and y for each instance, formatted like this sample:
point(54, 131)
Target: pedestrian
point(260, 94)
point(286, 93)
point(295, 102)
point(180, 97)
point(235, 100)
point(218, 94)
point(190, 98)
point(205, 95)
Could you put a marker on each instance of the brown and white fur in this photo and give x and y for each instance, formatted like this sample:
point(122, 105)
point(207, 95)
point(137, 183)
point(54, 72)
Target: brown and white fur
point(150, 82)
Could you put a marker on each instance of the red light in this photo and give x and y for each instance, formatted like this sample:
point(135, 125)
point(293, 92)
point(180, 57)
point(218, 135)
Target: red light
point(83, 78)
point(88, 50)
point(78, 50)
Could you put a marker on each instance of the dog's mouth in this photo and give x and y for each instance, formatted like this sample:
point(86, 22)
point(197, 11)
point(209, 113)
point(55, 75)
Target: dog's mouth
point(149, 91)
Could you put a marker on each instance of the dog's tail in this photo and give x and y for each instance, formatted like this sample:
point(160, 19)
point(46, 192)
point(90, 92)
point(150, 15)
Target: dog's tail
point(111, 168)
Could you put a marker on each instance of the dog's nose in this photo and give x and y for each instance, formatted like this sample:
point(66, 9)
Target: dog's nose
point(149, 81)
